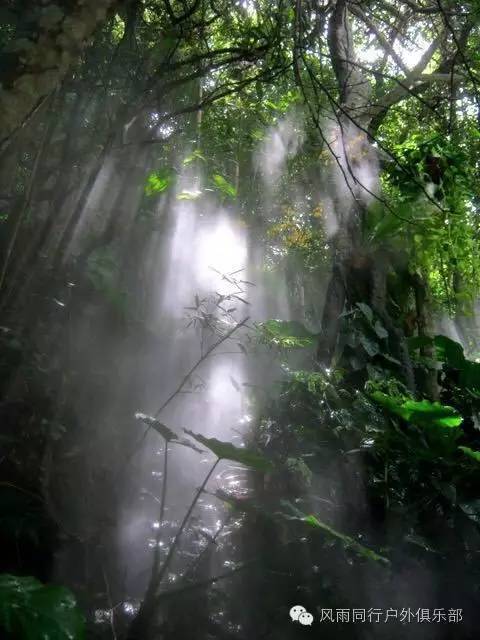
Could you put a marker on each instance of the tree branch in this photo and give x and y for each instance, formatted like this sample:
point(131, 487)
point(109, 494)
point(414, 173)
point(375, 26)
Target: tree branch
point(387, 47)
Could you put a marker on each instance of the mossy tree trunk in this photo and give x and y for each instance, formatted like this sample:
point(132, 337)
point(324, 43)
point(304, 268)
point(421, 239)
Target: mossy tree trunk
point(37, 64)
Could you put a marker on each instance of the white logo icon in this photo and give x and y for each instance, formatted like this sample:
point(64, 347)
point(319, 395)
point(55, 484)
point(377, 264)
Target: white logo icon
point(296, 611)
point(301, 615)
point(305, 618)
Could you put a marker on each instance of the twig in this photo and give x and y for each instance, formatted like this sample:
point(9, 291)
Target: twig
point(209, 581)
point(196, 562)
point(186, 518)
point(156, 557)
point(179, 389)
point(198, 363)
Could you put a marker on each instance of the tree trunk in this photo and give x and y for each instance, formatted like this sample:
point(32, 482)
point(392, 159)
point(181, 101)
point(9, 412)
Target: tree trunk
point(354, 91)
point(429, 382)
point(41, 61)
point(359, 272)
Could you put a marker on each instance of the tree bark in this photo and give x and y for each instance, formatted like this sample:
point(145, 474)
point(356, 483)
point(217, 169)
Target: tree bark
point(429, 383)
point(358, 275)
point(354, 91)
point(41, 61)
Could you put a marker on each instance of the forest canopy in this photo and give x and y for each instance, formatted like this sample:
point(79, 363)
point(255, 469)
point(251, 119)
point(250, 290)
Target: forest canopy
point(239, 338)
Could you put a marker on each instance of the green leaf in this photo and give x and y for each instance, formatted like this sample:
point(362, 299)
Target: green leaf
point(423, 413)
point(166, 433)
point(471, 453)
point(159, 427)
point(33, 611)
point(313, 521)
point(370, 346)
point(159, 181)
point(450, 352)
point(367, 312)
point(393, 405)
point(224, 186)
point(288, 334)
point(348, 541)
point(228, 451)
point(380, 330)
point(271, 105)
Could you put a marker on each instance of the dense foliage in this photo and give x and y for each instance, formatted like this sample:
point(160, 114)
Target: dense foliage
point(340, 143)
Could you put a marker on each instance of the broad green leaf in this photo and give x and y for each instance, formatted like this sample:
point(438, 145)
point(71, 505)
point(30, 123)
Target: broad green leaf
point(224, 186)
point(159, 181)
point(471, 453)
point(33, 611)
point(380, 330)
point(370, 346)
point(422, 413)
point(393, 405)
point(449, 351)
point(367, 312)
point(187, 443)
point(348, 541)
point(228, 451)
point(425, 412)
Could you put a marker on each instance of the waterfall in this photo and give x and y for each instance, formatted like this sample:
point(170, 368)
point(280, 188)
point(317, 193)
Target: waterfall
point(202, 274)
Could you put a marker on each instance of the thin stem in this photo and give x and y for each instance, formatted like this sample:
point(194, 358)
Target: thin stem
point(156, 557)
point(178, 390)
point(186, 518)
point(190, 570)
point(198, 363)
point(208, 581)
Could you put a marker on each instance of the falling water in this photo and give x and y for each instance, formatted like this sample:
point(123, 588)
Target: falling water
point(205, 244)
point(202, 274)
